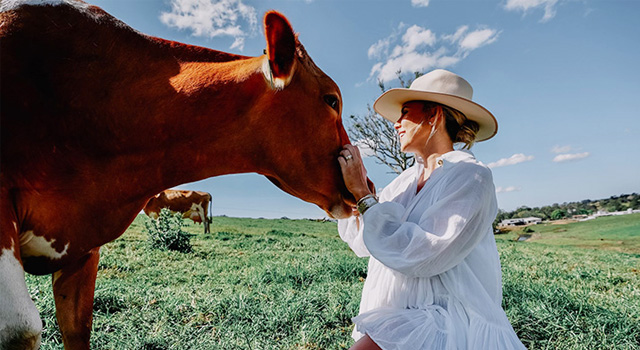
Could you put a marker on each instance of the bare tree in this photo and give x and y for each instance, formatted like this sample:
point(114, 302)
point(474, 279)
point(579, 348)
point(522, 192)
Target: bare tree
point(376, 134)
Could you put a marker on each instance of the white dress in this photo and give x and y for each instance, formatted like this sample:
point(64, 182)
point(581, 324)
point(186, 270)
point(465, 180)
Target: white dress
point(434, 279)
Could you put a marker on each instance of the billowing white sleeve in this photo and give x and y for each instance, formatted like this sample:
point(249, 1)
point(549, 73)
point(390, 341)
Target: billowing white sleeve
point(350, 231)
point(447, 230)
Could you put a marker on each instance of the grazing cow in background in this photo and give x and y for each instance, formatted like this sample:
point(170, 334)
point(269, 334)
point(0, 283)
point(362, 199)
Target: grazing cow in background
point(97, 118)
point(192, 204)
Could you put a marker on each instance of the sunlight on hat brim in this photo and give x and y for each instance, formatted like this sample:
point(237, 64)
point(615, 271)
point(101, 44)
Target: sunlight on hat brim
point(389, 105)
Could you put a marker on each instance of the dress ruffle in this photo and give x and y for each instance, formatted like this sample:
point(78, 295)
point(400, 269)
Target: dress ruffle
point(484, 335)
point(406, 329)
point(431, 329)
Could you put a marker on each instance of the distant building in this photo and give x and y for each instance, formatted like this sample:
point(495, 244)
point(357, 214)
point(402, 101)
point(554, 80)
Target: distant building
point(521, 221)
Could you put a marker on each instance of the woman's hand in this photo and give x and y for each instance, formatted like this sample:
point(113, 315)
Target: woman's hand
point(353, 171)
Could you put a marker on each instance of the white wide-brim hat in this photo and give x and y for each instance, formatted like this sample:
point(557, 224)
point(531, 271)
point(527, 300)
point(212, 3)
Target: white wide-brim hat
point(443, 87)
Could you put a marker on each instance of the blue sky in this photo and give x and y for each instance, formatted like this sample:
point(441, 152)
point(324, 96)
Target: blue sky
point(561, 77)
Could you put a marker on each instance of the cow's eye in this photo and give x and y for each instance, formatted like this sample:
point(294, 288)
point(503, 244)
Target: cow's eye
point(332, 101)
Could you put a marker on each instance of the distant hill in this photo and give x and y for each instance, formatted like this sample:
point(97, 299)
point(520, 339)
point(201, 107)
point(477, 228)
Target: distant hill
point(567, 210)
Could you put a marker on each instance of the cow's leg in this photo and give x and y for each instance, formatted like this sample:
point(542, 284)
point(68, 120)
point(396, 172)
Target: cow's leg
point(20, 324)
point(73, 289)
point(201, 209)
point(208, 205)
point(207, 224)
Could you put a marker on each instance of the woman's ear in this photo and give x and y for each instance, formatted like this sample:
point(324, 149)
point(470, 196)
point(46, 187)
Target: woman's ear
point(434, 115)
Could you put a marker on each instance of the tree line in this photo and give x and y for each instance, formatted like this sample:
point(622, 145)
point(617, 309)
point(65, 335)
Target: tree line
point(567, 210)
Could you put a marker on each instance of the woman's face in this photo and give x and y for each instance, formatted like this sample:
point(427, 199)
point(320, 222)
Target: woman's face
point(412, 127)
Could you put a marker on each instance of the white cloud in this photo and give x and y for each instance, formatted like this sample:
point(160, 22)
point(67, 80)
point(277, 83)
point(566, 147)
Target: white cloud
point(514, 159)
point(570, 156)
point(457, 35)
point(417, 49)
point(500, 189)
point(420, 3)
point(561, 149)
point(549, 7)
point(417, 37)
point(478, 39)
point(379, 49)
point(213, 18)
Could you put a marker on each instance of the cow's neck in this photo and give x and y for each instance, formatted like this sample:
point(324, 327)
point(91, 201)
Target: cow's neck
point(204, 128)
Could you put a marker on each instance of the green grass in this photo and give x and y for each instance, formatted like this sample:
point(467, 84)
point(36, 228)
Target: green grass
point(619, 233)
point(293, 284)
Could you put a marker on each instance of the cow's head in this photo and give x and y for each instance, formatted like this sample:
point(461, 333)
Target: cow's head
point(304, 133)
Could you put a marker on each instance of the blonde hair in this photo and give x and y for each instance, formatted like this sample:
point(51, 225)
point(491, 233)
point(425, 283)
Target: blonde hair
point(459, 128)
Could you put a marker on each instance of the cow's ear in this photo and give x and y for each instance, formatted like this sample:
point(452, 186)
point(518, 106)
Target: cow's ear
point(281, 46)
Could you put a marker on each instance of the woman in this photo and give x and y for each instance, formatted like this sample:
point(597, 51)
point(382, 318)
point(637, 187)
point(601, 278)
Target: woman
point(434, 279)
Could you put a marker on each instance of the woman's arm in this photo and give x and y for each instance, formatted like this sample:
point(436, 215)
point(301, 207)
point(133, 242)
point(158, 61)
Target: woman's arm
point(350, 231)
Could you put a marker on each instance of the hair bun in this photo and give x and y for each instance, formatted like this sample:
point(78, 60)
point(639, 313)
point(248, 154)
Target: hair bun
point(467, 133)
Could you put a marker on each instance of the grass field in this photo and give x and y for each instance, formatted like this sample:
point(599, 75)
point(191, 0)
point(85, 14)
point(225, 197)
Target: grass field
point(618, 233)
point(293, 284)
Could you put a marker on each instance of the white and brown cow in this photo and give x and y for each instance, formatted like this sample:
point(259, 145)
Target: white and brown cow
point(192, 204)
point(97, 118)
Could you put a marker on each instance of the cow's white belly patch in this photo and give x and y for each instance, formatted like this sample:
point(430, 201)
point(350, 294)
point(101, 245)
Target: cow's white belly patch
point(32, 245)
point(197, 208)
point(18, 314)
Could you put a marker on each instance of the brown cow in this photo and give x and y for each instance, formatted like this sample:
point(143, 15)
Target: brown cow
point(97, 118)
point(192, 204)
